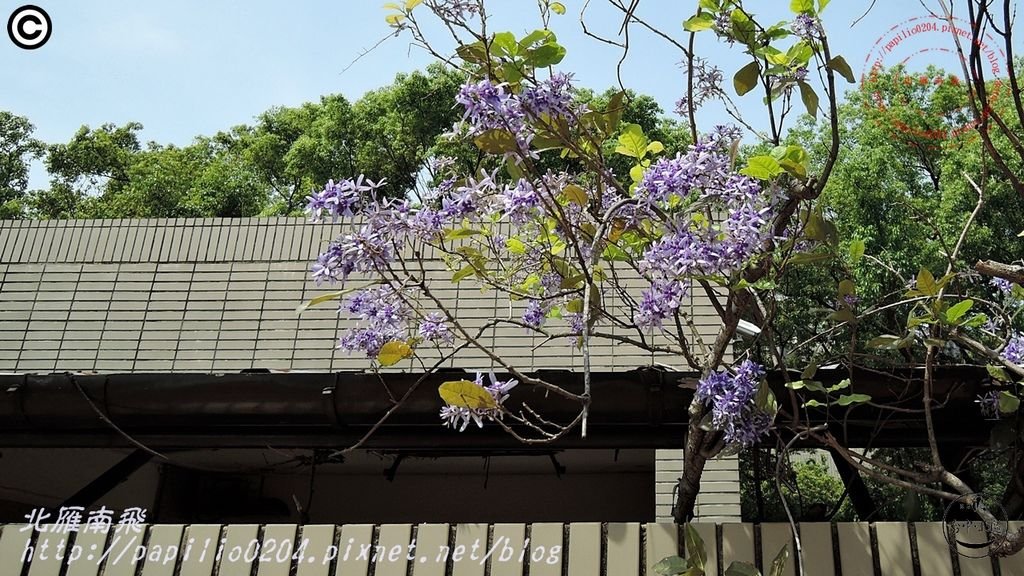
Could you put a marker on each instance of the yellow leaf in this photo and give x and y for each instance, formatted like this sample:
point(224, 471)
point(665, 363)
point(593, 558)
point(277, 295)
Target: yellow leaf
point(574, 193)
point(466, 394)
point(618, 227)
point(558, 8)
point(394, 19)
point(410, 4)
point(393, 352)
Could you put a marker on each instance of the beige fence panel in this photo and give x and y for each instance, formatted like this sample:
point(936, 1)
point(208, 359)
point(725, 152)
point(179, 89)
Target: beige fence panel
point(199, 550)
point(737, 544)
point(707, 533)
point(276, 550)
point(970, 564)
point(894, 555)
point(508, 544)
point(315, 547)
point(584, 537)
point(855, 548)
point(125, 542)
point(662, 541)
point(544, 537)
point(624, 549)
point(816, 543)
point(773, 537)
point(90, 546)
point(241, 548)
point(393, 545)
point(470, 547)
point(50, 549)
point(430, 538)
point(932, 548)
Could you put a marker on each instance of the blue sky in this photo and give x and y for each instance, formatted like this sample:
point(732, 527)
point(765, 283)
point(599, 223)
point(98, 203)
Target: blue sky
point(193, 67)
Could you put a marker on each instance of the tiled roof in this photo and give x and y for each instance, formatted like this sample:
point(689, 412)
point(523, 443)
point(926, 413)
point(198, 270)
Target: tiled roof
point(214, 295)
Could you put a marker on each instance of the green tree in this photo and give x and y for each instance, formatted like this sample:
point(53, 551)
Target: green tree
point(17, 151)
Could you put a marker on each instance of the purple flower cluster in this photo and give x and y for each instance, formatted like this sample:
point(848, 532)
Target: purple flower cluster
point(1014, 351)
point(366, 250)
point(731, 398)
point(707, 85)
point(552, 97)
point(434, 329)
point(521, 202)
point(383, 318)
point(1004, 286)
point(704, 175)
point(490, 106)
point(342, 198)
point(806, 27)
point(659, 302)
point(989, 404)
point(534, 314)
point(460, 416)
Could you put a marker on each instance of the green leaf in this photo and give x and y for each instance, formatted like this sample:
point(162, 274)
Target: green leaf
point(998, 373)
point(547, 55)
point(802, 6)
point(743, 28)
point(762, 168)
point(632, 142)
point(839, 64)
point(957, 311)
point(466, 394)
point(458, 233)
point(809, 258)
point(1008, 403)
point(746, 78)
point(504, 44)
point(558, 8)
point(778, 567)
point(926, 283)
point(636, 173)
point(393, 352)
point(813, 404)
point(575, 306)
point(702, 21)
point(671, 566)
point(575, 194)
point(809, 97)
point(515, 246)
point(695, 549)
point(857, 248)
point(462, 274)
point(885, 341)
point(738, 568)
point(822, 4)
point(655, 147)
point(613, 114)
point(842, 385)
point(812, 385)
point(496, 142)
point(320, 300)
point(847, 399)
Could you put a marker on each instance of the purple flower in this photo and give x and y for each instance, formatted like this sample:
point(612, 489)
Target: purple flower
point(989, 403)
point(850, 300)
point(732, 401)
point(659, 302)
point(1014, 351)
point(369, 339)
point(552, 97)
point(806, 27)
point(364, 251)
point(341, 198)
point(707, 85)
point(1004, 286)
point(534, 314)
point(576, 323)
point(460, 416)
point(434, 329)
point(521, 202)
point(490, 106)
